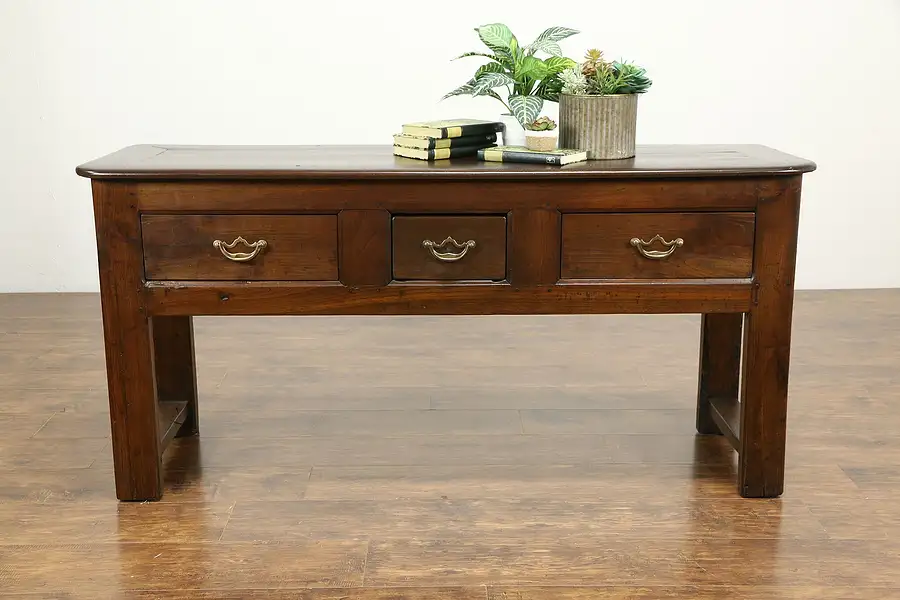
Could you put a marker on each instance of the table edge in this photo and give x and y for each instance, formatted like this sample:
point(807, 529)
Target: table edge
point(263, 175)
point(790, 165)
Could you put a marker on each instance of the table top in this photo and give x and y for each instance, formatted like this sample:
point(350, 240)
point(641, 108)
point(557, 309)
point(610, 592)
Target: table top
point(174, 162)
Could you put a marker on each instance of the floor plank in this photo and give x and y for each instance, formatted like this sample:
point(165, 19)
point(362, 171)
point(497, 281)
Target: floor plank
point(586, 561)
point(446, 518)
point(299, 423)
point(181, 566)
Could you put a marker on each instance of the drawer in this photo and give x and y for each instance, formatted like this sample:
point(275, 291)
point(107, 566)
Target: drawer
point(207, 247)
point(449, 248)
point(657, 246)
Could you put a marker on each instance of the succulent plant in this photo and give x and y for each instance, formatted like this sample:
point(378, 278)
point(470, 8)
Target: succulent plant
point(573, 81)
point(631, 78)
point(541, 124)
point(593, 63)
point(596, 76)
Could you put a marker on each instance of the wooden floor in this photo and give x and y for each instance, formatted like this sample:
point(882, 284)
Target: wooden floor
point(439, 458)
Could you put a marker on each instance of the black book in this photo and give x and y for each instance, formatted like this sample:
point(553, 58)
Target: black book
point(428, 143)
point(521, 154)
point(451, 128)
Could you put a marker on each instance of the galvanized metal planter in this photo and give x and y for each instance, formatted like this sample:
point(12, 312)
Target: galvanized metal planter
point(605, 126)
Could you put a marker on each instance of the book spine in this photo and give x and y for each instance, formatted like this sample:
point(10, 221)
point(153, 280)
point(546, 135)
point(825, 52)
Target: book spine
point(469, 130)
point(470, 140)
point(453, 152)
point(520, 157)
point(432, 143)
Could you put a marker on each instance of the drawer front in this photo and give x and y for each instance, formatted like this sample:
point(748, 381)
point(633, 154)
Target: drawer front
point(199, 247)
point(449, 248)
point(626, 246)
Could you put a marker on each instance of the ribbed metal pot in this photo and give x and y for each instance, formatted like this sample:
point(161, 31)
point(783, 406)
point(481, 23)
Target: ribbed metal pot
point(605, 126)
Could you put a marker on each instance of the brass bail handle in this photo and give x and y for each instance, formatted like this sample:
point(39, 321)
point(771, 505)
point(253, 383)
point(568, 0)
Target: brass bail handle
point(448, 256)
point(643, 247)
point(255, 247)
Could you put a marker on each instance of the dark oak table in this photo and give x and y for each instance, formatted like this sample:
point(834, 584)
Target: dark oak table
point(353, 230)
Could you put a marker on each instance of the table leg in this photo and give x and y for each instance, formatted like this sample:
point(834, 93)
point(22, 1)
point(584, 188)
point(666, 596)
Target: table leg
point(127, 340)
point(720, 365)
point(767, 343)
point(176, 372)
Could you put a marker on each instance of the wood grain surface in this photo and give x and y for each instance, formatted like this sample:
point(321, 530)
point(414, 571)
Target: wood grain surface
point(599, 246)
point(471, 197)
point(377, 162)
point(298, 248)
point(450, 298)
point(522, 458)
point(485, 260)
point(175, 367)
point(128, 332)
point(720, 365)
point(533, 247)
point(365, 247)
point(767, 344)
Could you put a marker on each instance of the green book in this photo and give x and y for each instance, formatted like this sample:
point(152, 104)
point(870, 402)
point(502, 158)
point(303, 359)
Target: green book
point(427, 143)
point(436, 153)
point(451, 128)
point(521, 154)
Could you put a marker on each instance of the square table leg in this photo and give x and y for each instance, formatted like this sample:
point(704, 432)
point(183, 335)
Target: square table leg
point(767, 343)
point(720, 365)
point(176, 371)
point(127, 334)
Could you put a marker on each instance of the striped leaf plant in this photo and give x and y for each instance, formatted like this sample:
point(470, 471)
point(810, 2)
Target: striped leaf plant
point(514, 74)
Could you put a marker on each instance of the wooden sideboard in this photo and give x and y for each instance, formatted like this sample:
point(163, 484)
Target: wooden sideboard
point(353, 230)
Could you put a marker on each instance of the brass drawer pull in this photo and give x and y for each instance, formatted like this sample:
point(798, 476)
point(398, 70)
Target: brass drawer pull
point(448, 256)
point(240, 256)
point(642, 246)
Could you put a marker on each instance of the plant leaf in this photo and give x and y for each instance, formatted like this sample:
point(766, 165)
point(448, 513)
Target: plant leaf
point(551, 48)
point(462, 90)
point(489, 68)
point(550, 88)
point(555, 34)
point(546, 42)
point(468, 89)
point(496, 96)
point(489, 81)
point(491, 56)
point(558, 64)
point(533, 68)
point(525, 108)
point(495, 36)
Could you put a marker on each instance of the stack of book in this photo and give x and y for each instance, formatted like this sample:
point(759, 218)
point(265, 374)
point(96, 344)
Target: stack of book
point(436, 140)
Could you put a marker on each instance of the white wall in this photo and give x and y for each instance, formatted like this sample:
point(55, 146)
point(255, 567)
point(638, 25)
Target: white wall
point(81, 79)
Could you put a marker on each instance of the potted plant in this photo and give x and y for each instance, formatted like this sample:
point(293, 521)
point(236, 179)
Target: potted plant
point(540, 134)
point(598, 106)
point(525, 81)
